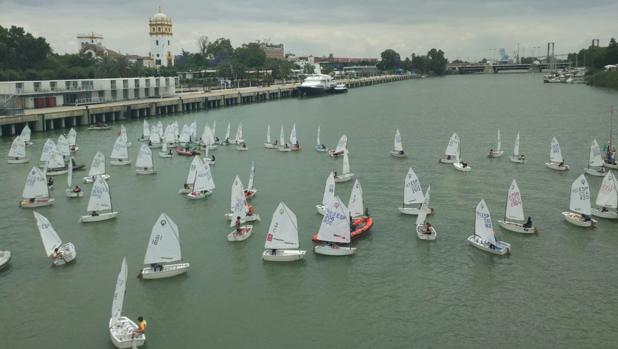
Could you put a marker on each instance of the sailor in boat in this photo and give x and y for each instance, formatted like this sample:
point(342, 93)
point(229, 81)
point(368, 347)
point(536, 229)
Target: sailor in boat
point(366, 213)
point(186, 186)
point(273, 252)
point(216, 140)
point(145, 168)
point(561, 164)
point(149, 142)
point(57, 254)
point(238, 225)
point(156, 266)
point(50, 181)
point(492, 246)
point(94, 213)
point(77, 189)
point(448, 157)
point(322, 146)
point(244, 146)
point(586, 218)
point(491, 152)
point(522, 157)
point(250, 210)
point(226, 141)
point(169, 151)
point(275, 142)
point(141, 327)
point(528, 223)
point(464, 164)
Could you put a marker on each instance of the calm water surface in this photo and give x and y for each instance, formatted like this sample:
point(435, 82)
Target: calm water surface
point(557, 289)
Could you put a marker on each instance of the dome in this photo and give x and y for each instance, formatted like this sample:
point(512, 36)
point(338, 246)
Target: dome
point(160, 16)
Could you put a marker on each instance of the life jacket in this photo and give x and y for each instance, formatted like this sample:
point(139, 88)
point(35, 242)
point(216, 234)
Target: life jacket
point(142, 325)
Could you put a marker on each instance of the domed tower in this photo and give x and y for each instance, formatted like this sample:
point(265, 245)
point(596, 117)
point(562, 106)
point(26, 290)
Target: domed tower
point(161, 40)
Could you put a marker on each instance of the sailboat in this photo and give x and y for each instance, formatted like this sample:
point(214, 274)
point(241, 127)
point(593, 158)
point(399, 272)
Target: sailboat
point(413, 197)
point(451, 150)
point(517, 157)
point(55, 163)
point(208, 139)
point(556, 161)
point(250, 191)
point(329, 194)
point(70, 191)
point(342, 145)
point(514, 212)
point(188, 185)
point(294, 145)
point(163, 257)
point(226, 139)
point(281, 243)
point(97, 168)
point(239, 206)
point(610, 154)
point(169, 136)
point(51, 241)
point(165, 152)
point(607, 198)
point(498, 152)
point(36, 192)
point(238, 138)
point(155, 137)
point(595, 162)
point(72, 138)
point(25, 134)
point(210, 160)
point(203, 184)
point(579, 204)
point(334, 233)
point(459, 164)
point(318, 145)
point(120, 154)
point(100, 203)
point(361, 221)
point(397, 151)
point(345, 175)
point(145, 132)
point(17, 153)
point(283, 145)
point(47, 148)
point(484, 237)
point(63, 147)
point(269, 144)
point(121, 328)
point(425, 231)
point(144, 164)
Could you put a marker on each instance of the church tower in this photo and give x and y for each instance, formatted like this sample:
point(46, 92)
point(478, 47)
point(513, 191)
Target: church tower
point(161, 40)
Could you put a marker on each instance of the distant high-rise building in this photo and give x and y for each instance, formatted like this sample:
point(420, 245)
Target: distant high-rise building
point(161, 40)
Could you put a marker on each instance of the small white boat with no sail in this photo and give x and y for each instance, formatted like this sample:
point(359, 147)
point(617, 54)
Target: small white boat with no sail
point(425, 230)
point(72, 191)
point(188, 185)
point(413, 197)
point(514, 213)
point(239, 206)
point(459, 164)
point(556, 161)
point(517, 157)
point(334, 235)
point(203, 183)
point(397, 151)
point(17, 153)
point(97, 168)
point(329, 194)
point(144, 164)
point(100, 203)
point(345, 175)
point(163, 257)
point(25, 134)
point(484, 237)
point(595, 162)
point(579, 205)
point(165, 151)
point(341, 146)
point(318, 145)
point(282, 238)
point(36, 191)
point(59, 253)
point(121, 328)
point(607, 198)
point(451, 149)
point(498, 152)
point(120, 153)
point(250, 191)
point(283, 145)
point(269, 144)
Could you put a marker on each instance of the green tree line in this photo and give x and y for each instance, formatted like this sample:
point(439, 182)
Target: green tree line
point(433, 63)
point(596, 57)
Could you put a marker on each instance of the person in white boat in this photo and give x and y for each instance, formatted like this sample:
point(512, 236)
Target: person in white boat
point(156, 266)
point(77, 189)
point(522, 156)
point(50, 181)
point(57, 254)
point(366, 213)
point(401, 152)
point(141, 327)
point(275, 142)
point(561, 164)
point(250, 210)
point(528, 223)
point(94, 213)
point(238, 225)
point(491, 152)
point(244, 145)
point(322, 146)
point(427, 228)
point(464, 164)
point(586, 218)
point(216, 140)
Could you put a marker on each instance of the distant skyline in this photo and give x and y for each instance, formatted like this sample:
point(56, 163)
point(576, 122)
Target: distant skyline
point(465, 29)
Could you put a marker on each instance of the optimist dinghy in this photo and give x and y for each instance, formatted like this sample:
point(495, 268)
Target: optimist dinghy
point(281, 243)
point(556, 161)
point(517, 157)
point(97, 168)
point(345, 175)
point(36, 191)
point(163, 257)
point(100, 203)
point(484, 237)
point(60, 253)
point(17, 153)
point(121, 328)
point(579, 206)
point(397, 151)
point(413, 197)
point(514, 213)
point(425, 231)
point(329, 194)
point(607, 198)
point(334, 236)
point(498, 152)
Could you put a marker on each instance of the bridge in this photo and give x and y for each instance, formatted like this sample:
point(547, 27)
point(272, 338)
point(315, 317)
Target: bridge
point(469, 68)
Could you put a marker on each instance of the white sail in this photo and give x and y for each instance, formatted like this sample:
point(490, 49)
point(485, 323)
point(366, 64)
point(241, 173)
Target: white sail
point(193, 169)
point(50, 238)
point(97, 167)
point(318, 137)
point(169, 135)
point(283, 230)
point(412, 191)
point(203, 178)
point(160, 129)
point(425, 206)
point(514, 204)
point(555, 154)
point(346, 163)
point(55, 159)
point(251, 176)
point(63, 146)
point(227, 131)
point(355, 205)
point(452, 148)
point(146, 130)
point(185, 134)
point(47, 148)
point(100, 198)
point(155, 137)
point(72, 137)
point(499, 142)
point(164, 243)
point(608, 193)
point(144, 158)
point(176, 130)
point(483, 227)
point(70, 176)
point(164, 147)
point(120, 149)
point(18, 148)
point(335, 225)
point(239, 133)
point(207, 136)
point(580, 196)
point(329, 190)
point(342, 144)
point(293, 139)
point(268, 134)
point(281, 137)
point(398, 146)
point(595, 160)
point(36, 185)
point(193, 128)
point(26, 133)
point(123, 133)
point(516, 146)
point(121, 287)
point(214, 128)
point(238, 202)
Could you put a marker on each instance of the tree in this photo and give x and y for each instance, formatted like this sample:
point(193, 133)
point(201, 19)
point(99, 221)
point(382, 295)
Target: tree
point(221, 49)
point(202, 44)
point(250, 55)
point(390, 60)
point(437, 62)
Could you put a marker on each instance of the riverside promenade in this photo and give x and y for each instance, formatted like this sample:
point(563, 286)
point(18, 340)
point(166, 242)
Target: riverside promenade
point(63, 117)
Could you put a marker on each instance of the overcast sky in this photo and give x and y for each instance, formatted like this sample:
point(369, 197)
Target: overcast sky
point(466, 29)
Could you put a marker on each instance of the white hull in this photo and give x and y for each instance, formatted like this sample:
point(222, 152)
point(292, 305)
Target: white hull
point(284, 149)
point(68, 254)
point(319, 148)
point(91, 180)
point(99, 128)
point(54, 172)
point(557, 167)
point(120, 162)
point(516, 227)
point(460, 167)
point(420, 232)
point(185, 191)
point(496, 154)
point(120, 333)
point(5, 258)
point(576, 219)
point(500, 249)
point(283, 255)
point(145, 172)
point(245, 233)
point(71, 194)
point(270, 146)
point(164, 155)
point(320, 209)
point(332, 153)
point(344, 178)
point(604, 214)
point(254, 217)
point(197, 196)
point(334, 250)
point(612, 166)
point(447, 161)
point(36, 203)
point(169, 270)
point(100, 217)
point(239, 148)
point(17, 161)
point(517, 159)
point(415, 211)
point(594, 172)
point(398, 155)
point(154, 145)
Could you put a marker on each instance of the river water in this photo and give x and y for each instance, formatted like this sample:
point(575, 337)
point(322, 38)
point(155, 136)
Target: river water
point(556, 289)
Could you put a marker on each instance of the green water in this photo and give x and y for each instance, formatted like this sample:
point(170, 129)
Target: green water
point(557, 289)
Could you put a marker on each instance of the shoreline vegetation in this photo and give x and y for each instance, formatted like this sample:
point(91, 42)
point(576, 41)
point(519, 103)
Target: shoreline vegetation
point(608, 79)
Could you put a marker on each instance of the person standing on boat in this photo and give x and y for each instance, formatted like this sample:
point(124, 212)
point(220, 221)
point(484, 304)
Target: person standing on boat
point(238, 225)
point(141, 327)
point(427, 229)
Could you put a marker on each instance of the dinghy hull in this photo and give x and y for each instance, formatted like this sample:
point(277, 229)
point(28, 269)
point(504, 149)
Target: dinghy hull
point(447, 161)
point(517, 159)
point(145, 172)
point(68, 253)
point(516, 227)
point(99, 218)
point(72, 194)
point(90, 179)
point(604, 214)
point(460, 167)
point(333, 250)
point(500, 249)
point(17, 161)
point(169, 270)
point(252, 218)
point(320, 209)
point(5, 258)
point(319, 148)
point(120, 162)
point(556, 167)
point(594, 172)
point(36, 203)
point(398, 155)
point(577, 219)
point(269, 146)
point(120, 333)
point(423, 235)
point(239, 148)
point(197, 196)
point(495, 154)
point(165, 155)
point(245, 233)
point(612, 166)
point(56, 172)
point(344, 178)
point(283, 255)
point(415, 211)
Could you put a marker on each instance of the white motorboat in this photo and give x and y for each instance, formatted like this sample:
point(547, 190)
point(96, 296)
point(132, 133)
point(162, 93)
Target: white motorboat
point(340, 88)
point(238, 205)
point(345, 175)
point(579, 205)
point(607, 198)
point(498, 152)
point(397, 151)
point(17, 153)
point(517, 157)
point(329, 194)
point(163, 257)
point(282, 238)
point(54, 248)
point(97, 168)
point(121, 328)
point(451, 149)
point(484, 237)
point(334, 237)
point(144, 164)
point(317, 84)
point(514, 213)
point(36, 191)
point(120, 153)
point(100, 203)
point(556, 161)
point(595, 162)
point(413, 197)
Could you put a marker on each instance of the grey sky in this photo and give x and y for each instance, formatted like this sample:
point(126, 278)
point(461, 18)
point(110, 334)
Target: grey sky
point(466, 29)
